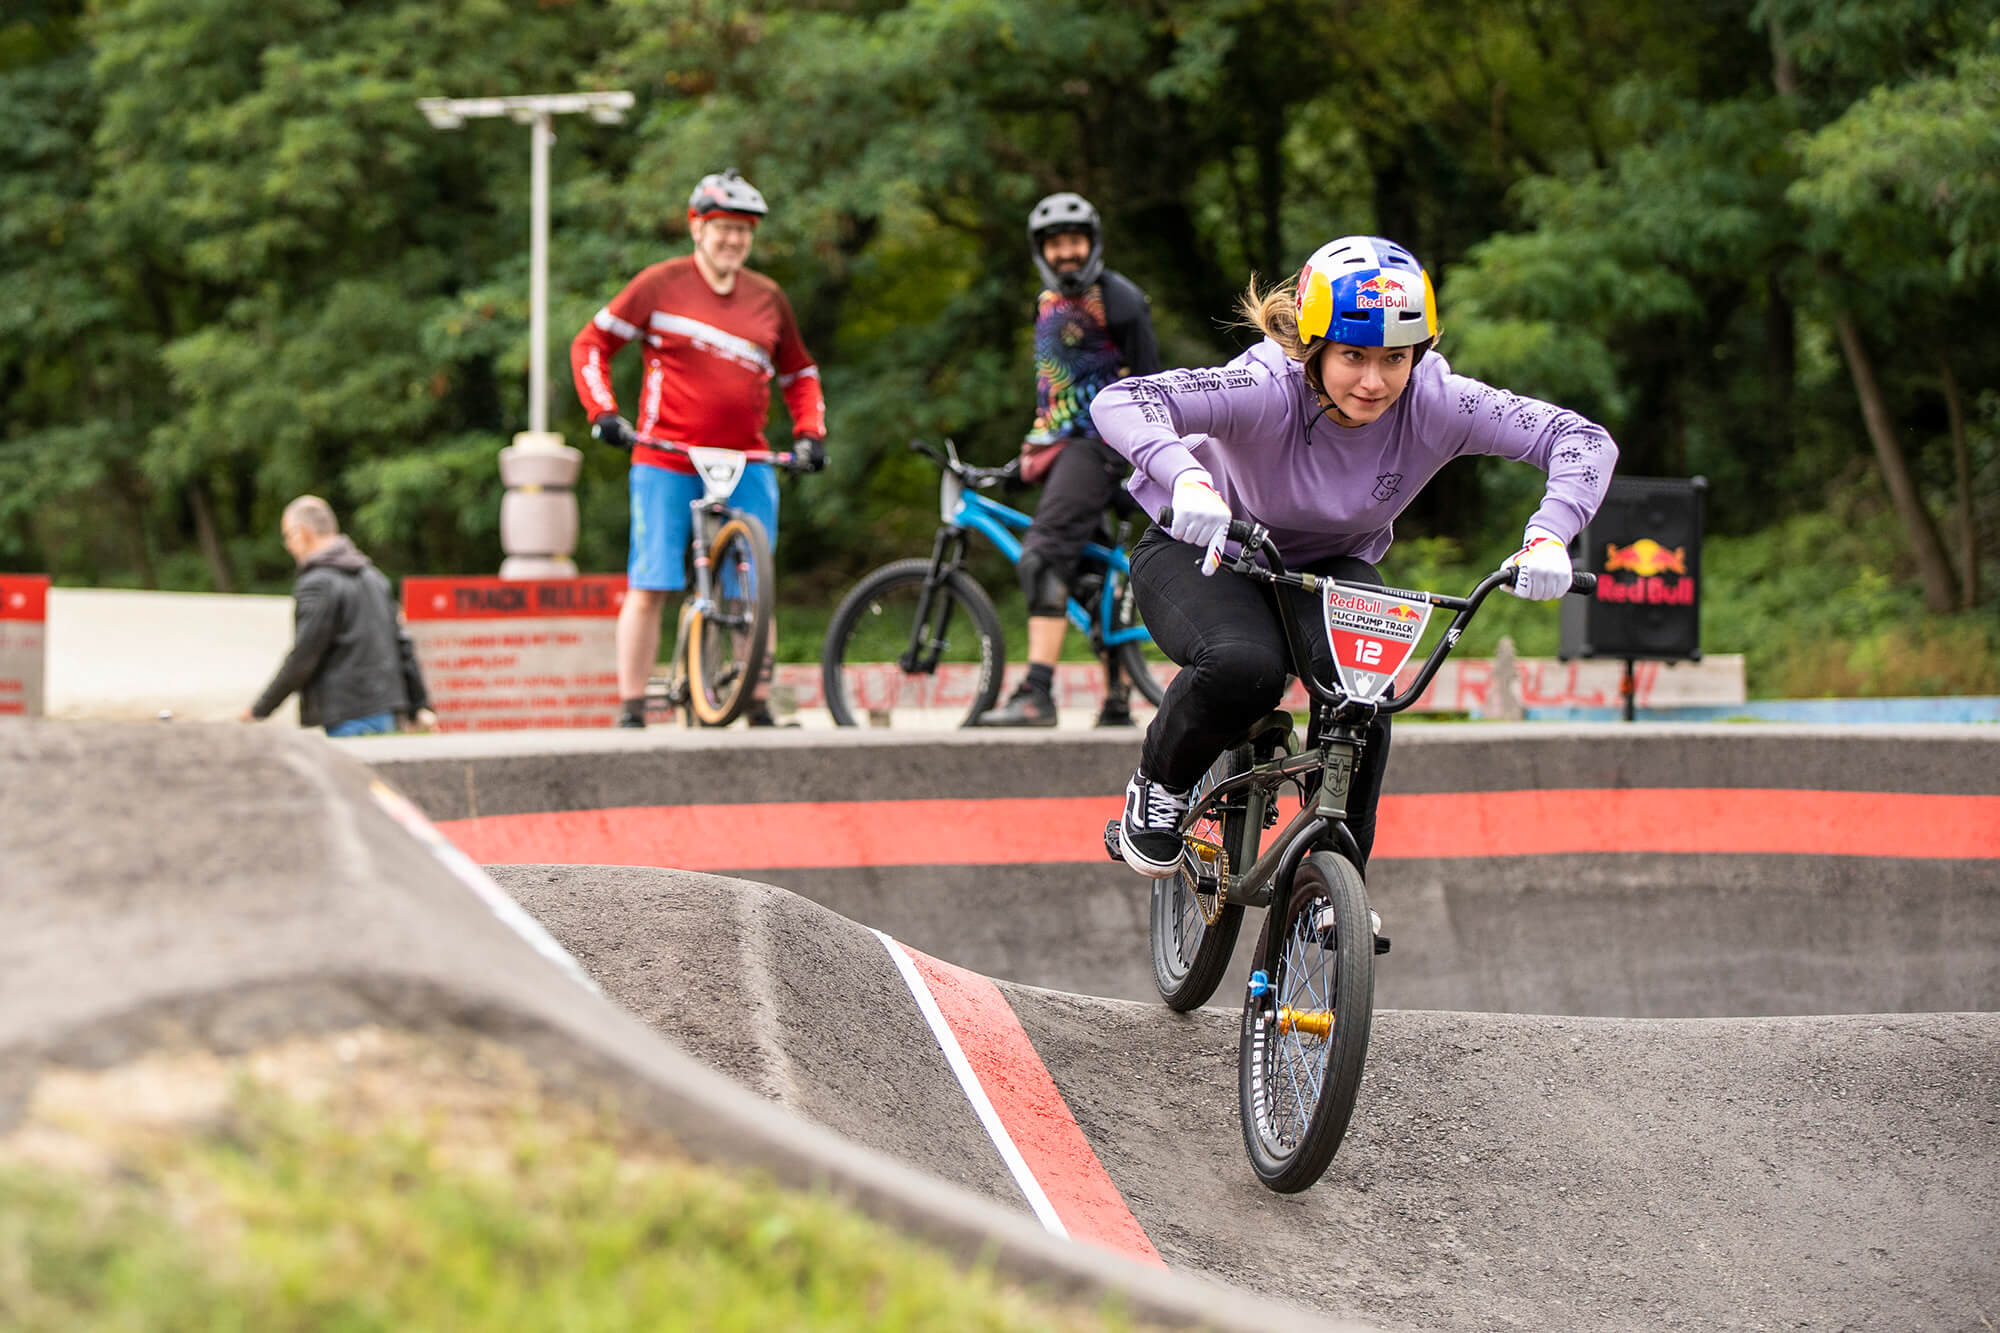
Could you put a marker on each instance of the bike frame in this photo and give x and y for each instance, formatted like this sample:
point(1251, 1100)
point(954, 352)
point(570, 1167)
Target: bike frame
point(720, 472)
point(964, 510)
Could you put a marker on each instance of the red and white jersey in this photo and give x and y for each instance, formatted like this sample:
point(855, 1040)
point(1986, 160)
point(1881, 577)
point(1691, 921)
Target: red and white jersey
point(709, 360)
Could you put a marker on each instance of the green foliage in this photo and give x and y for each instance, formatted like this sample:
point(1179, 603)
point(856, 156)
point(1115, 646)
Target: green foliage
point(236, 264)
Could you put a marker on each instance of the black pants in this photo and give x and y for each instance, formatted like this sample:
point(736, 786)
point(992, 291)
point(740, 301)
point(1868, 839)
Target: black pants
point(1223, 631)
point(1086, 479)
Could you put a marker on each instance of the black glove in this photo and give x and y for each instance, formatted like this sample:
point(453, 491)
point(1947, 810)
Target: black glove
point(808, 454)
point(614, 430)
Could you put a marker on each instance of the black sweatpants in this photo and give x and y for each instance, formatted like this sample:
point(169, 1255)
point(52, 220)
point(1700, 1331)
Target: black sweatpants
point(1223, 631)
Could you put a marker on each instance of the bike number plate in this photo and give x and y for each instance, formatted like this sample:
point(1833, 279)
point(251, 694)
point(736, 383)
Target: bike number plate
point(719, 469)
point(1373, 633)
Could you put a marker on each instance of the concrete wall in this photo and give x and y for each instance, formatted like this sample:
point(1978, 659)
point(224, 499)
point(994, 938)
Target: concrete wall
point(117, 654)
point(1644, 870)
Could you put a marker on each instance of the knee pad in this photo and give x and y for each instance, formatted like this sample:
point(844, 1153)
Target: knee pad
point(1047, 594)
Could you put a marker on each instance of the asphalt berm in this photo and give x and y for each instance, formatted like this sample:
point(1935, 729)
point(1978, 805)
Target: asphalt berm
point(229, 887)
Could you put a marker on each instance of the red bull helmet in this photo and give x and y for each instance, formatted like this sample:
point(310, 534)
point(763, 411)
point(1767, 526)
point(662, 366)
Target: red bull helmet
point(727, 195)
point(1365, 291)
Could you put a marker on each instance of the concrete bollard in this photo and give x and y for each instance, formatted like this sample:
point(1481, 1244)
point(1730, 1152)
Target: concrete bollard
point(538, 519)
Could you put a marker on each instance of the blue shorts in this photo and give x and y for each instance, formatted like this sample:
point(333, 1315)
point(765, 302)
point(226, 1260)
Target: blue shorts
point(657, 558)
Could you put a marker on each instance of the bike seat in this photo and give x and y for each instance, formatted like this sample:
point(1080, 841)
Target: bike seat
point(1268, 728)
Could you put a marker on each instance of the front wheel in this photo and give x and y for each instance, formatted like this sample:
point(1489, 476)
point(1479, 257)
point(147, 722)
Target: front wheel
point(727, 642)
point(1193, 927)
point(911, 645)
point(1305, 1036)
point(1132, 660)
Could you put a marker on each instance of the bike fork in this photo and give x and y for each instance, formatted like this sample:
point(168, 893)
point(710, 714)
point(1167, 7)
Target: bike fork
point(920, 657)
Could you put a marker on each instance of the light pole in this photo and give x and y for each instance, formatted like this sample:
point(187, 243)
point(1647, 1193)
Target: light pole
point(538, 514)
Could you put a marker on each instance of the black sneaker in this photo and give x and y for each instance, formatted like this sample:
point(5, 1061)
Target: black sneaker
point(1117, 710)
point(1150, 832)
point(630, 720)
point(759, 715)
point(1026, 707)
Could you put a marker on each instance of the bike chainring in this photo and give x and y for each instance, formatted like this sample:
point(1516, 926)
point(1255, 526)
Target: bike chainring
point(1211, 854)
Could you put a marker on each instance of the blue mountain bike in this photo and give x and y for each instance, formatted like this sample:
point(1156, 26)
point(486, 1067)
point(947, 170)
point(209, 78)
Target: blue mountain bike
point(920, 640)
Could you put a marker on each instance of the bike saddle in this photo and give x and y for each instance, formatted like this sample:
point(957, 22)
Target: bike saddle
point(1267, 730)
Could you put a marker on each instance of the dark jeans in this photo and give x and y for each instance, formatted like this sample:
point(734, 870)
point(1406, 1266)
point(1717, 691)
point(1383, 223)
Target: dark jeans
point(1224, 632)
point(1086, 479)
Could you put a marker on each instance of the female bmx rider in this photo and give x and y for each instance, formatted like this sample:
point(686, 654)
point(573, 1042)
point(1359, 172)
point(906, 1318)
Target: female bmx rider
point(1323, 432)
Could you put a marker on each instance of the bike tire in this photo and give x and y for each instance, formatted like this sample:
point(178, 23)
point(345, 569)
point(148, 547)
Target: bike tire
point(1190, 953)
point(1297, 1088)
point(876, 623)
point(726, 648)
point(1132, 660)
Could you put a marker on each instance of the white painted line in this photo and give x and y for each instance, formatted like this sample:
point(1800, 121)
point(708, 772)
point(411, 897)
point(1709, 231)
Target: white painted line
point(468, 873)
point(982, 1106)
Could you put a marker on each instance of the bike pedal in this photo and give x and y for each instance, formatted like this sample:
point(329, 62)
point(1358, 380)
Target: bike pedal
point(1381, 945)
point(1111, 847)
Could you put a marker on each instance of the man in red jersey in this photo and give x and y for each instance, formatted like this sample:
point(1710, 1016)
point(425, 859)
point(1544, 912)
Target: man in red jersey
point(715, 333)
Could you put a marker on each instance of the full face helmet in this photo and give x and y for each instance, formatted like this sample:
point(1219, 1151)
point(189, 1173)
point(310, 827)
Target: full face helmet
point(1059, 213)
point(1366, 291)
point(727, 195)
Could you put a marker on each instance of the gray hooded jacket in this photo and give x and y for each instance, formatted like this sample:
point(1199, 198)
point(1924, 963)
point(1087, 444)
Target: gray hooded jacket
point(348, 648)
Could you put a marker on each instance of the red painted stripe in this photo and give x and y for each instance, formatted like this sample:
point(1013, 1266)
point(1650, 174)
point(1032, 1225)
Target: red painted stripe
point(1033, 1110)
point(1027, 831)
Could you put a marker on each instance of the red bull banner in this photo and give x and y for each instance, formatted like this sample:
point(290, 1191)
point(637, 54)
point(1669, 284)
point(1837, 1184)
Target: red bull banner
point(509, 654)
point(24, 602)
point(1644, 544)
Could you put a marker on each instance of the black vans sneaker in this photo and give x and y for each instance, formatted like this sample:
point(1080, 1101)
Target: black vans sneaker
point(1150, 832)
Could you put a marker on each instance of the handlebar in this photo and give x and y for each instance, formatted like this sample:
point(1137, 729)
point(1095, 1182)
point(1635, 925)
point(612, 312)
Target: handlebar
point(979, 477)
point(1255, 536)
point(784, 458)
point(1249, 534)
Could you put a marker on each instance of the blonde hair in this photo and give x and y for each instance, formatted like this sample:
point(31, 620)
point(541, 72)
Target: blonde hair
point(1274, 312)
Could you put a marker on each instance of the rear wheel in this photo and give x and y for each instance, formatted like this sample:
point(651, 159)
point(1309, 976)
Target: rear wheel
point(727, 642)
point(1305, 1038)
point(906, 648)
point(1193, 929)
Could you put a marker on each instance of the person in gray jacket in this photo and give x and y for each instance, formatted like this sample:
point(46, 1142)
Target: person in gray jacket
point(351, 664)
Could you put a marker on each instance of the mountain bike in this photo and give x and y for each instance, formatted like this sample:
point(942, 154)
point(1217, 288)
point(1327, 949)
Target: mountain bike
point(922, 636)
point(1311, 998)
point(722, 643)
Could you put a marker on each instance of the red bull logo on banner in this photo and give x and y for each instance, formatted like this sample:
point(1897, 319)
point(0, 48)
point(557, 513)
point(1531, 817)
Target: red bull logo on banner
point(1650, 562)
point(1402, 612)
point(1645, 558)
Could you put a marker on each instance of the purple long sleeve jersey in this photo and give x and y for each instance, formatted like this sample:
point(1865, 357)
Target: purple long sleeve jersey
point(1325, 489)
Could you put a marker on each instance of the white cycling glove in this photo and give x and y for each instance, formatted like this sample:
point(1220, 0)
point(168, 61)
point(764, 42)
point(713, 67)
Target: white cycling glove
point(1544, 564)
point(1201, 517)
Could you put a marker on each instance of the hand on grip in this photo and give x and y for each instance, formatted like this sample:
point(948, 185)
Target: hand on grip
point(1543, 565)
point(1199, 517)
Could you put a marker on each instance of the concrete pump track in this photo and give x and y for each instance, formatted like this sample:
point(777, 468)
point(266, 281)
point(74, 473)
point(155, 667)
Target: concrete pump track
point(1683, 1027)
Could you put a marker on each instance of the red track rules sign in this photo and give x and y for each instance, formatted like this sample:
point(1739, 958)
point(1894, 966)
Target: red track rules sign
point(508, 654)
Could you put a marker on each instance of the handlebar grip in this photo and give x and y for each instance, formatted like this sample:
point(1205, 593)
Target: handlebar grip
point(1583, 583)
point(1240, 529)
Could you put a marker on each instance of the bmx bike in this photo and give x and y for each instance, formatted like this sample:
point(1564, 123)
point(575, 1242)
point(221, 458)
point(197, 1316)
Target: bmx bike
point(897, 629)
point(1310, 1001)
point(722, 642)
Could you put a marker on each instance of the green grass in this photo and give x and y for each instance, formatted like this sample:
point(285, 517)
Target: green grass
point(280, 1216)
